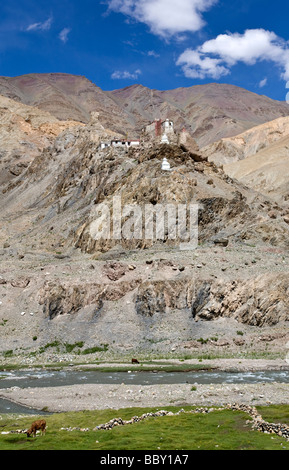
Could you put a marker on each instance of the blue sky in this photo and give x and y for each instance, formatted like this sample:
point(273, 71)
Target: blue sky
point(162, 44)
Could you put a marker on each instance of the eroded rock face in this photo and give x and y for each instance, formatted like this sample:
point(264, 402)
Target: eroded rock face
point(158, 296)
point(255, 302)
point(263, 301)
point(225, 208)
point(25, 132)
point(69, 299)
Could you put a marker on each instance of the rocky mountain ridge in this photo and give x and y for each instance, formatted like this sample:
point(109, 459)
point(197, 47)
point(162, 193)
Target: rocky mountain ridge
point(258, 157)
point(209, 112)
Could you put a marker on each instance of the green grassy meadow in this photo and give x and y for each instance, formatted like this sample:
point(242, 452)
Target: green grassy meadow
point(218, 430)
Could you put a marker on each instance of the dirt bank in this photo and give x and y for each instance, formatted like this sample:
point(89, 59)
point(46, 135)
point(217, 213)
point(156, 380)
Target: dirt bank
point(234, 364)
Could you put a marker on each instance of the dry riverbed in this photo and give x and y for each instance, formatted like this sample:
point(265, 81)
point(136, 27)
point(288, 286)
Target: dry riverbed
point(93, 397)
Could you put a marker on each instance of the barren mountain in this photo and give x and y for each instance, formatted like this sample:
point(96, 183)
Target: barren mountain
point(59, 283)
point(209, 112)
point(258, 157)
point(24, 132)
point(67, 97)
point(246, 144)
point(267, 171)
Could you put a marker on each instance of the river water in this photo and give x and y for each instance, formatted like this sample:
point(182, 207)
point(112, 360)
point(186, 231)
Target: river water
point(36, 378)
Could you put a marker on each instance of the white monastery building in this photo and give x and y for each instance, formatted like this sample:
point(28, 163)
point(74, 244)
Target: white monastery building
point(123, 143)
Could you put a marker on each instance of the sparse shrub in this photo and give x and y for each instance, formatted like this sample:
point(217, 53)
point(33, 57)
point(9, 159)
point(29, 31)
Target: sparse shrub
point(102, 348)
point(70, 347)
point(202, 340)
point(8, 353)
point(55, 344)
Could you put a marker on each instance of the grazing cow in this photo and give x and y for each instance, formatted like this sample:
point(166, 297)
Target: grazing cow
point(39, 425)
point(134, 361)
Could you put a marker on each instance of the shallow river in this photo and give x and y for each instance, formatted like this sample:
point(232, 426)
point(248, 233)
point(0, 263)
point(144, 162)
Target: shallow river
point(35, 378)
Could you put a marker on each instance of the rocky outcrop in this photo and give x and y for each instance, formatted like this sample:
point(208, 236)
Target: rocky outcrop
point(224, 207)
point(159, 296)
point(25, 132)
point(255, 302)
point(69, 299)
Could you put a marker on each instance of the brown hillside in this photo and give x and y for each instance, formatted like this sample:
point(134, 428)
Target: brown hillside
point(209, 112)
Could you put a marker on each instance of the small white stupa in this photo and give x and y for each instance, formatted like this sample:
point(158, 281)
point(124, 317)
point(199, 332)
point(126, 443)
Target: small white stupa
point(165, 139)
point(165, 165)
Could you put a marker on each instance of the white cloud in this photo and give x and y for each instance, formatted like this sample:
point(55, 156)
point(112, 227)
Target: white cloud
point(63, 35)
point(120, 75)
point(153, 54)
point(165, 17)
point(45, 26)
point(215, 57)
point(253, 45)
point(196, 65)
point(263, 82)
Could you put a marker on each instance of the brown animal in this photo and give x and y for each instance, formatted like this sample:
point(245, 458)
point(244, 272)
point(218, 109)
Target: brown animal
point(134, 361)
point(39, 425)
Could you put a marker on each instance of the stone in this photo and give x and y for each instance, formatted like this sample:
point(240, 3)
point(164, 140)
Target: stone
point(272, 215)
point(115, 271)
point(200, 167)
point(221, 241)
point(22, 283)
point(239, 342)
